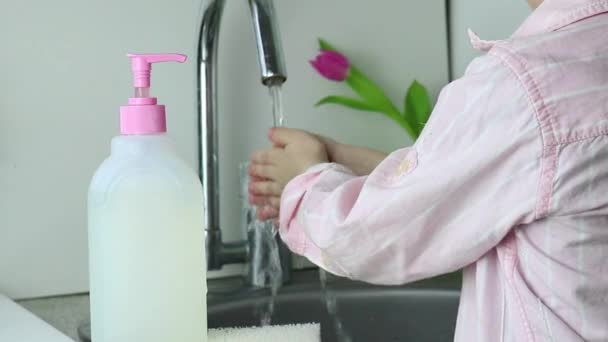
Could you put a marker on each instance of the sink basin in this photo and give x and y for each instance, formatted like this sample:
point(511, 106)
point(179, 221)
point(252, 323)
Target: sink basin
point(419, 312)
point(366, 313)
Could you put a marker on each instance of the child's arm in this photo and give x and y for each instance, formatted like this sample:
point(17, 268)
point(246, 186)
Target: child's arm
point(362, 161)
point(293, 152)
point(435, 207)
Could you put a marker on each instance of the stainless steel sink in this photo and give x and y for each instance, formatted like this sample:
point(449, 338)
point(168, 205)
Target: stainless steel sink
point(367, 313)
point(421, 312)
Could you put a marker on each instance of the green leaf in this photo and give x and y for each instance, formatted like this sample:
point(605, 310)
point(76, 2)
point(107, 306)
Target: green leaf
point(324, 45)
point(417, 105)
point(360, 105)
point(363, 86)
point(370, 92)
point(373, 98)
point(347, 102)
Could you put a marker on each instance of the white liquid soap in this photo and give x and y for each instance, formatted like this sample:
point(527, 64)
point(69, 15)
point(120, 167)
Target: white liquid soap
point(146, 238)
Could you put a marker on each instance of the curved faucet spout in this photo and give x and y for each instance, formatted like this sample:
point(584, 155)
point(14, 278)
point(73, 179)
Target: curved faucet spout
point(268, 41)
point(272, 69)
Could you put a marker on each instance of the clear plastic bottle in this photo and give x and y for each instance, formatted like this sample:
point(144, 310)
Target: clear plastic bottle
point(146, 239)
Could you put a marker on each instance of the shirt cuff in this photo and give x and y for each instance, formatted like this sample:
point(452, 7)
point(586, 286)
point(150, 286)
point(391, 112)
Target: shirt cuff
point(290, 230)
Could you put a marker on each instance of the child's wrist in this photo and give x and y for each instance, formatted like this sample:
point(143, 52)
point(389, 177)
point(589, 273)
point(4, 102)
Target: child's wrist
point(333, 149)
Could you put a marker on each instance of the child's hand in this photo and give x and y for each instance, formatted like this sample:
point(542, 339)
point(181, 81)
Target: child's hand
point(293, 153)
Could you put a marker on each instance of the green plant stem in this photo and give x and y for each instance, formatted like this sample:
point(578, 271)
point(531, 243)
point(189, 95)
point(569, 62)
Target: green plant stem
point(398, 118)
point(373, 98)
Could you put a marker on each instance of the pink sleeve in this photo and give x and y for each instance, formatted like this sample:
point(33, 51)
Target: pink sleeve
point(432, 208)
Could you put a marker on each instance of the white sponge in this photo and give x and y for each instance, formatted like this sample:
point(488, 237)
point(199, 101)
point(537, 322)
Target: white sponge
point(310, 332)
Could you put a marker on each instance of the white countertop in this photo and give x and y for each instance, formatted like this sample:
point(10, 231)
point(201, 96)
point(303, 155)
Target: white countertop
point(19, 324)
point(64, 313)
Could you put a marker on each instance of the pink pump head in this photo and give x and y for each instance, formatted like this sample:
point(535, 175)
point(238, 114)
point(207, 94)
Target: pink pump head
point(142, 115)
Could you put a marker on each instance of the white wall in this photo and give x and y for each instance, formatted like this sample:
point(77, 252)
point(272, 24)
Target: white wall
point(394, 43)
point(490, 19)
point(63, 75)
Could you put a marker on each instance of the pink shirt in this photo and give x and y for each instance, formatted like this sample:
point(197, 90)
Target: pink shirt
point(509, 180)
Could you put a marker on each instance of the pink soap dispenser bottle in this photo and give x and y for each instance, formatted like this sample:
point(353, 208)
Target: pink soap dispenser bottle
point(145, 224)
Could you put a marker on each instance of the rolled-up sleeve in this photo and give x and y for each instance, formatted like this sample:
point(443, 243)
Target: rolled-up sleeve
point(432, 208)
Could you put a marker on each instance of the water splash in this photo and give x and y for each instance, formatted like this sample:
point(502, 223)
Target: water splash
point(272, 272)
point(331, 305)
point(264, 250)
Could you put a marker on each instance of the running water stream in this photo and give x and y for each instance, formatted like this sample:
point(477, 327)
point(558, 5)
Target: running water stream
point(331, 305)
point(268, 252)
point(270, 248)
point(278, 120)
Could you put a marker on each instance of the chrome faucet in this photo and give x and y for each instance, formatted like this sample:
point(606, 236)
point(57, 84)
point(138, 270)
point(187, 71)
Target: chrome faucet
point(272, 68)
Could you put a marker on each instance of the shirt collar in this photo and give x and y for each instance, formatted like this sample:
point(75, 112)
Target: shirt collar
point(551, 15)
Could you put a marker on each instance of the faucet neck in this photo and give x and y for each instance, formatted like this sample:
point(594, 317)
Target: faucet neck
point(272, 70)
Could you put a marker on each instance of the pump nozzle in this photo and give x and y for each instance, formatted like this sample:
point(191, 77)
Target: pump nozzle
point(141, 64)
point(143, 115)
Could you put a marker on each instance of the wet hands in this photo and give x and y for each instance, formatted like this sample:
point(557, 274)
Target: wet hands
point(293, 152)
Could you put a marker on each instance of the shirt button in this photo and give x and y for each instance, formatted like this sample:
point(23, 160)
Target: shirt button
point(403, 167)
